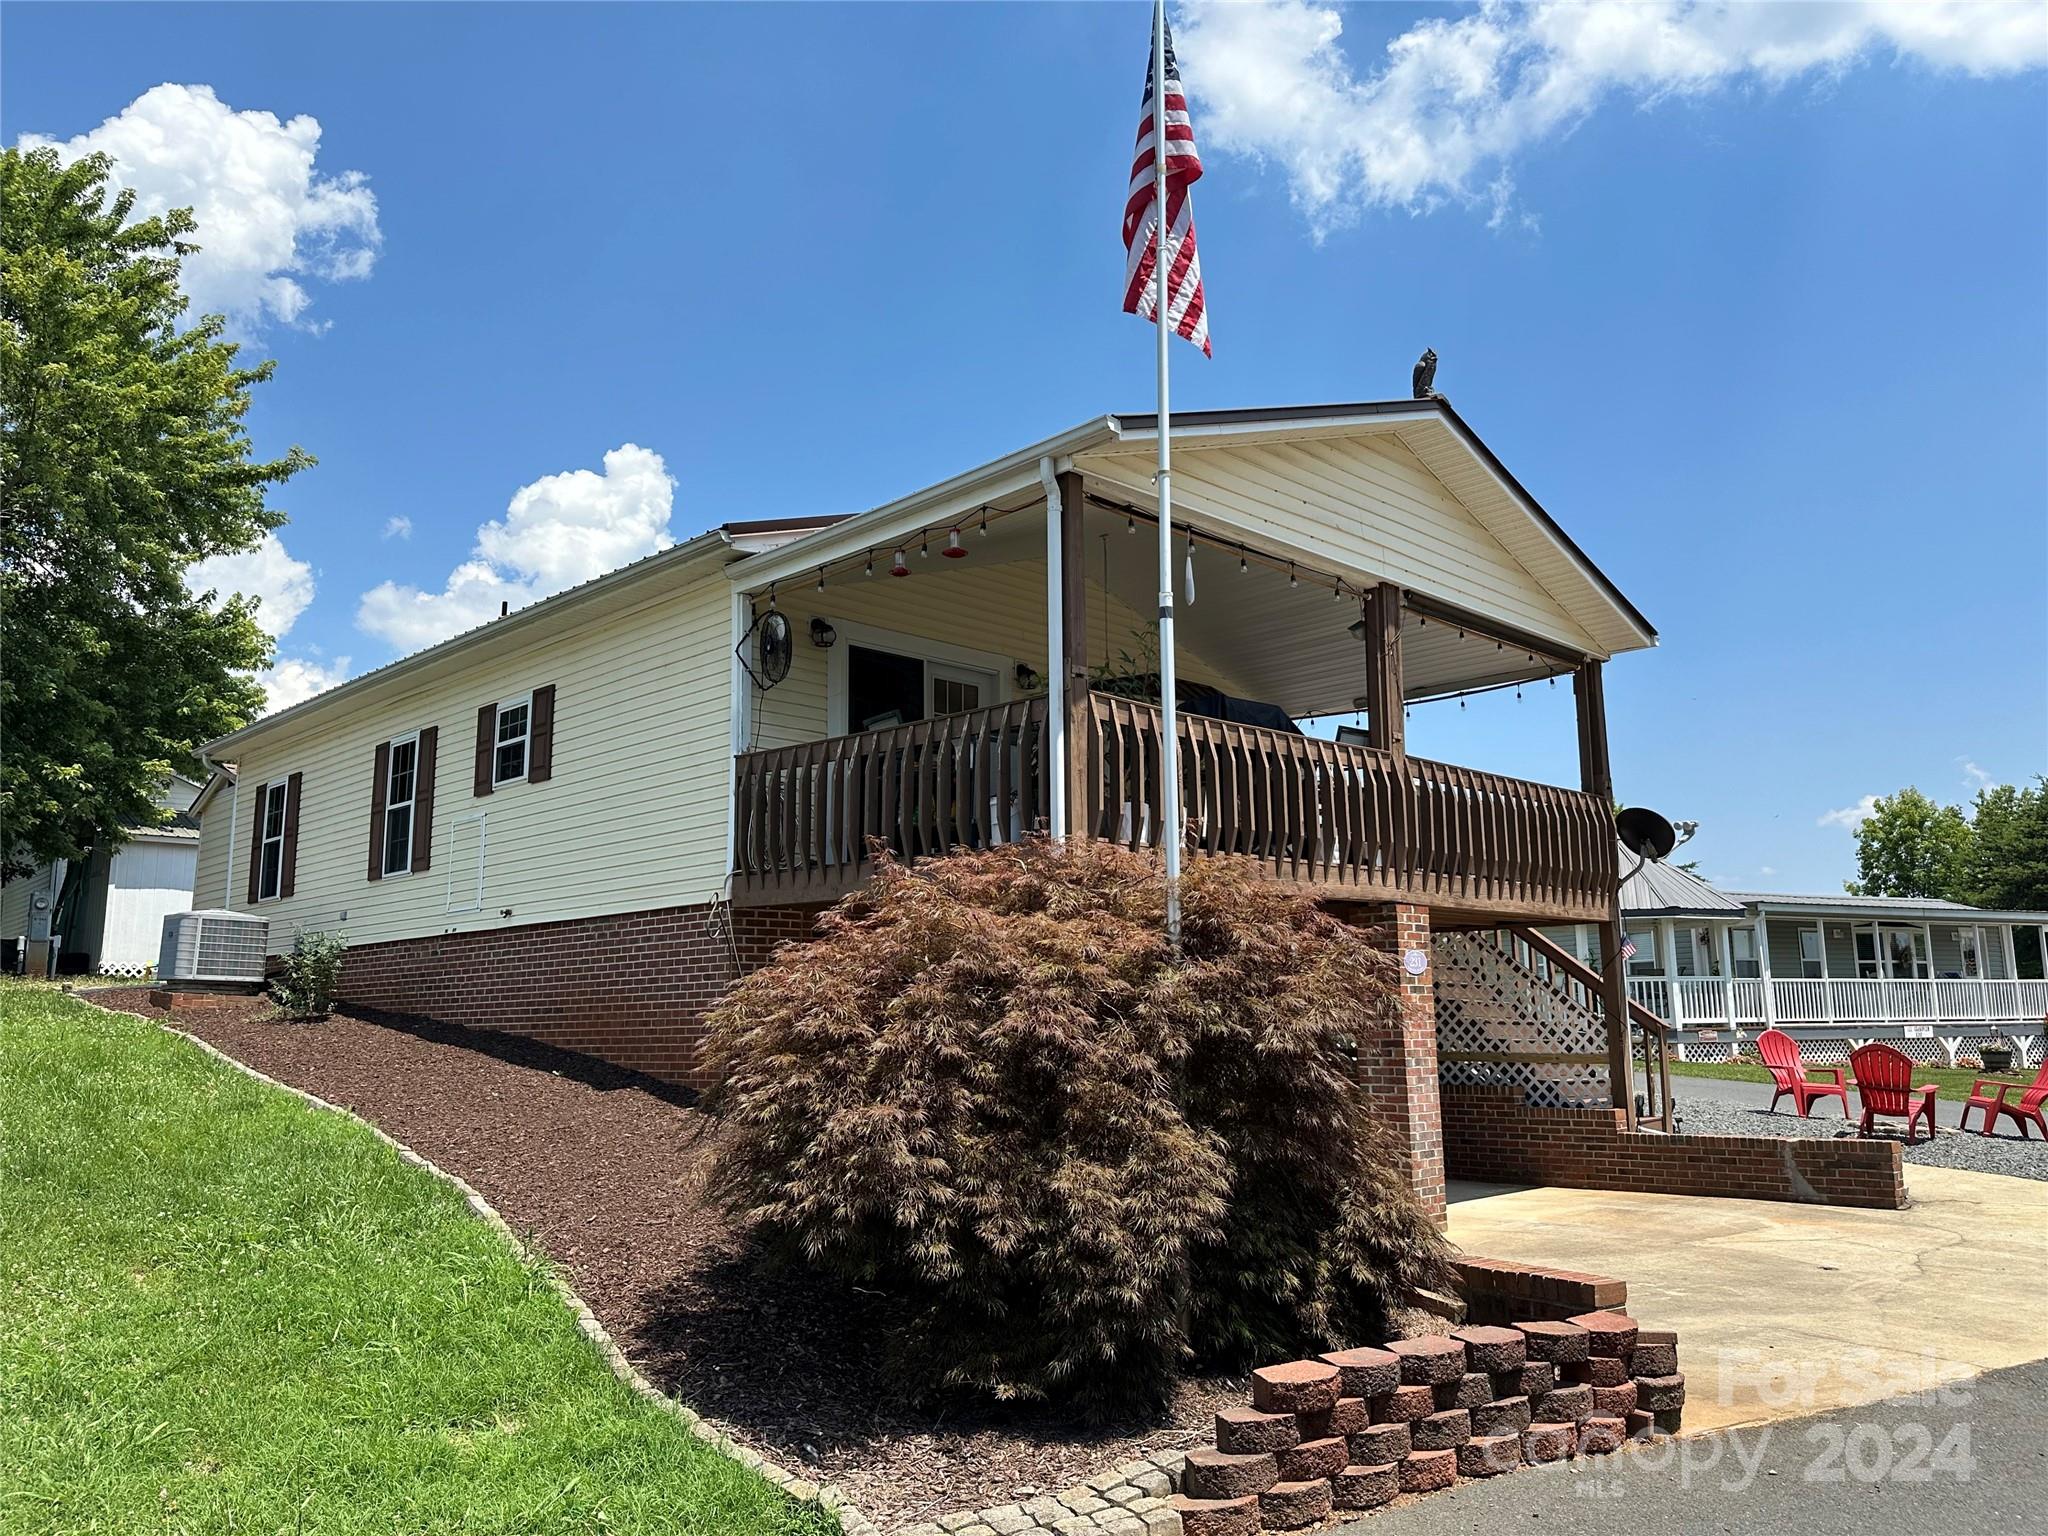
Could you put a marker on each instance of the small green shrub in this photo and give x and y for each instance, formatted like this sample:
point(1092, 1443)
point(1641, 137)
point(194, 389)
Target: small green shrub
point(987, 1089)
point(305, 988)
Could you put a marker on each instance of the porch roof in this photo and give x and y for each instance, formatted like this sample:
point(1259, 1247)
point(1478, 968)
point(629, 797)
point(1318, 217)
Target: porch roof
point(1878, 908)
point(1430, 429)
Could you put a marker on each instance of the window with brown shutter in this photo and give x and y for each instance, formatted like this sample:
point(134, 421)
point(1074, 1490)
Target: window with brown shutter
point(540, 760)
point(486, 747)
point(288, 874)
point(423, 801)
point(275, 828)
point(380, 776)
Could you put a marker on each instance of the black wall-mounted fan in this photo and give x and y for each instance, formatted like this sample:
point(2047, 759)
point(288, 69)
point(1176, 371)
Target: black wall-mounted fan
point(768, 643)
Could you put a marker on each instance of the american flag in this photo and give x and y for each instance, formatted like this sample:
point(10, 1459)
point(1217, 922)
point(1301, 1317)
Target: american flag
point(1628, 948)
point(1185, 310)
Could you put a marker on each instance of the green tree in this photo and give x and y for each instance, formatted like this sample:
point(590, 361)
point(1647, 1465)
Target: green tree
point(123, 459)
point(2008, 859)
point(1909, 846)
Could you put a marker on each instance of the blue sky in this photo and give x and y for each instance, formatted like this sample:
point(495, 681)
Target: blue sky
point(1754, 299)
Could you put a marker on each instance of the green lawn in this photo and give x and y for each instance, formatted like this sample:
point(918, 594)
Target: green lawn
point(1953, 1084)
point(223, 1311)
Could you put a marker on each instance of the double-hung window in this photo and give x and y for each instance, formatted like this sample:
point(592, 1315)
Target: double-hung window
point(270, 859)
point(515, 738)
point(1813, 963)
point(401, 792)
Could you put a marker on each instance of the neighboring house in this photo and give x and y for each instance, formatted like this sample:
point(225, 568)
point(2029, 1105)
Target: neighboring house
point(106, 911)
point(583, 820)
point(1831, 970)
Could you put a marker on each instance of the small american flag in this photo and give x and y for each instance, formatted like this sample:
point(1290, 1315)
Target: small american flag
point(1628, 948)
point(1185, 309)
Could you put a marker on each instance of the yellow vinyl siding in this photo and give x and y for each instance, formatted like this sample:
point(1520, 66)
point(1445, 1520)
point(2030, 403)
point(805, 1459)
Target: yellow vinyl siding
point(1362, 505)
point(634, 816)
point(997, 609)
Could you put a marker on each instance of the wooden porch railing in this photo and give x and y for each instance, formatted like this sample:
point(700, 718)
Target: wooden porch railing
point(803, 815)
point(1347, 822)
point(1352, 821)
point(1650, 1036)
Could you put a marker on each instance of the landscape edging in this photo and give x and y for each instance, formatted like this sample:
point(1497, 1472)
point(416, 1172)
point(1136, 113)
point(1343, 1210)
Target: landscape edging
point(826, 1497)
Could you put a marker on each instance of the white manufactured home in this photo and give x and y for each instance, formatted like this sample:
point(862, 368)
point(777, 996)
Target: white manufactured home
point(583, 820)
point(1934, 977)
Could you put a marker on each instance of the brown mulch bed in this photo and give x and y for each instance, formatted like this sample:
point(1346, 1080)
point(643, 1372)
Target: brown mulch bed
point(604, 1170)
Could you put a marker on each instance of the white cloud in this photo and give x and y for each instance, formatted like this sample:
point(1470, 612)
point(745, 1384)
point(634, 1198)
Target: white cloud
point(294, 680)
point(266, 217)
point(281, 585)
point(1850, 817)
point(398, 527)
point(1444, 114)
point(1765, 869)
point(558, 531)
point(1973, 776)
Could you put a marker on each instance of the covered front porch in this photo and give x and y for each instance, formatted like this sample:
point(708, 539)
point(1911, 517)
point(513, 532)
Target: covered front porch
point(981, 666)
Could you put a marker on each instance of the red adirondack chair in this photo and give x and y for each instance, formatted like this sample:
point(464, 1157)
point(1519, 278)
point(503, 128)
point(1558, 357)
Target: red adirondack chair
point(1884, 1082)
point(1996, 1104)
point(1788, 1070)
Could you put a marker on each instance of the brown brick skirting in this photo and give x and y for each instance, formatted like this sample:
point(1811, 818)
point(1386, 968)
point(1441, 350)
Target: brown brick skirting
point(1491, 1134)
point(631, 989)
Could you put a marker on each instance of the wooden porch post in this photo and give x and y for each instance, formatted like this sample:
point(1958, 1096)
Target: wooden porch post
point(1073, 653)
point(1385, 695)
point(1596, 777)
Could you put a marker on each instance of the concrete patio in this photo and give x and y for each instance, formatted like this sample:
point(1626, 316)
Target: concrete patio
point(1789, 1310)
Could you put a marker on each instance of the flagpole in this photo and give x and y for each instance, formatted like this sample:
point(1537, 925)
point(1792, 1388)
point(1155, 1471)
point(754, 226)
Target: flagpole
point(1169, 831)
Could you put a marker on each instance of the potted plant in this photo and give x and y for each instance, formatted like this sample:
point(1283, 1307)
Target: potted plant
point(1997, 1055)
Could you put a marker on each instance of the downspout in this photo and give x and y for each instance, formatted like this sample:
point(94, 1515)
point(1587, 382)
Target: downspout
point(227, 879)
point(1055, 662)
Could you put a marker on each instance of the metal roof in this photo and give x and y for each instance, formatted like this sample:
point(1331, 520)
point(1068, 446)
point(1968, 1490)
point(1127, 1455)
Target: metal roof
point(1665, 890)
point(1879, 906)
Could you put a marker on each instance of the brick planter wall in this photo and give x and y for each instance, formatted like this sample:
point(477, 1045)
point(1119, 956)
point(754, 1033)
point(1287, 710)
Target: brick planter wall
point(1490, 1134)
point(631, 989)
point(1397, 1062)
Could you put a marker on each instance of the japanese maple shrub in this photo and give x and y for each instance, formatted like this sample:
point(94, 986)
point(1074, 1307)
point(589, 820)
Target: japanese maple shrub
point(988, 1089)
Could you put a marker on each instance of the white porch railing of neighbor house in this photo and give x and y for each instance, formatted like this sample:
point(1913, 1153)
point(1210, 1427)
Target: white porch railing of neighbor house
point(1686, 1001)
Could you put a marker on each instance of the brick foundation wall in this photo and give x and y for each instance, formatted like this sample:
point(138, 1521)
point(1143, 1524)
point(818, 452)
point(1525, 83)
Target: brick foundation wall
point(631, 989)
point(1490, 1134)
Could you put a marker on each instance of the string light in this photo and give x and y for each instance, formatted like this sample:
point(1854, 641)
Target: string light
point(924, 544)
point(1243, 565)
point(1292, 579)
point(771, 597)
point(821, 578)
point(871, 563)
point(984, 520)
point(1130, 522)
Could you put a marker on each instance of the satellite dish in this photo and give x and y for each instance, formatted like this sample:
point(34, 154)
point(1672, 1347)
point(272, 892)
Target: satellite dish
point(772, 646)
point(1644, 833)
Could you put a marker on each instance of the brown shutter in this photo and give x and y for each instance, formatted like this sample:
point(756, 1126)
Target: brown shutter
point(423, 800)
point(380, 786)
point(288, 877)
point(256, 846)
point(486, 744)
point(540, 723)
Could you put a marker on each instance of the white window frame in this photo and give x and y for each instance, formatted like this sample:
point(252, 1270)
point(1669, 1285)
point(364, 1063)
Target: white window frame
point(1646, 961)
point(1738, 937)
point(1820, 952)
point(411, 806)
point(1970, 952)
point(282, 788)
point(524, 738)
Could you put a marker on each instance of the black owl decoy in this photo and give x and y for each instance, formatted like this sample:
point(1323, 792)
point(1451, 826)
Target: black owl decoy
point(1425, 375)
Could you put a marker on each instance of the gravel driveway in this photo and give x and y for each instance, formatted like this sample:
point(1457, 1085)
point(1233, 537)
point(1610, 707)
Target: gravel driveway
point(1705, 1114)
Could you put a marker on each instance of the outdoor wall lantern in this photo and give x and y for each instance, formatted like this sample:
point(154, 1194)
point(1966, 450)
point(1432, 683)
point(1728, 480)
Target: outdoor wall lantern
point(823, 635)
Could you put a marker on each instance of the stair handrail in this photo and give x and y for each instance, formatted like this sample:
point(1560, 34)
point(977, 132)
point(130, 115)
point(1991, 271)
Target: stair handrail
point(1654, 1028)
